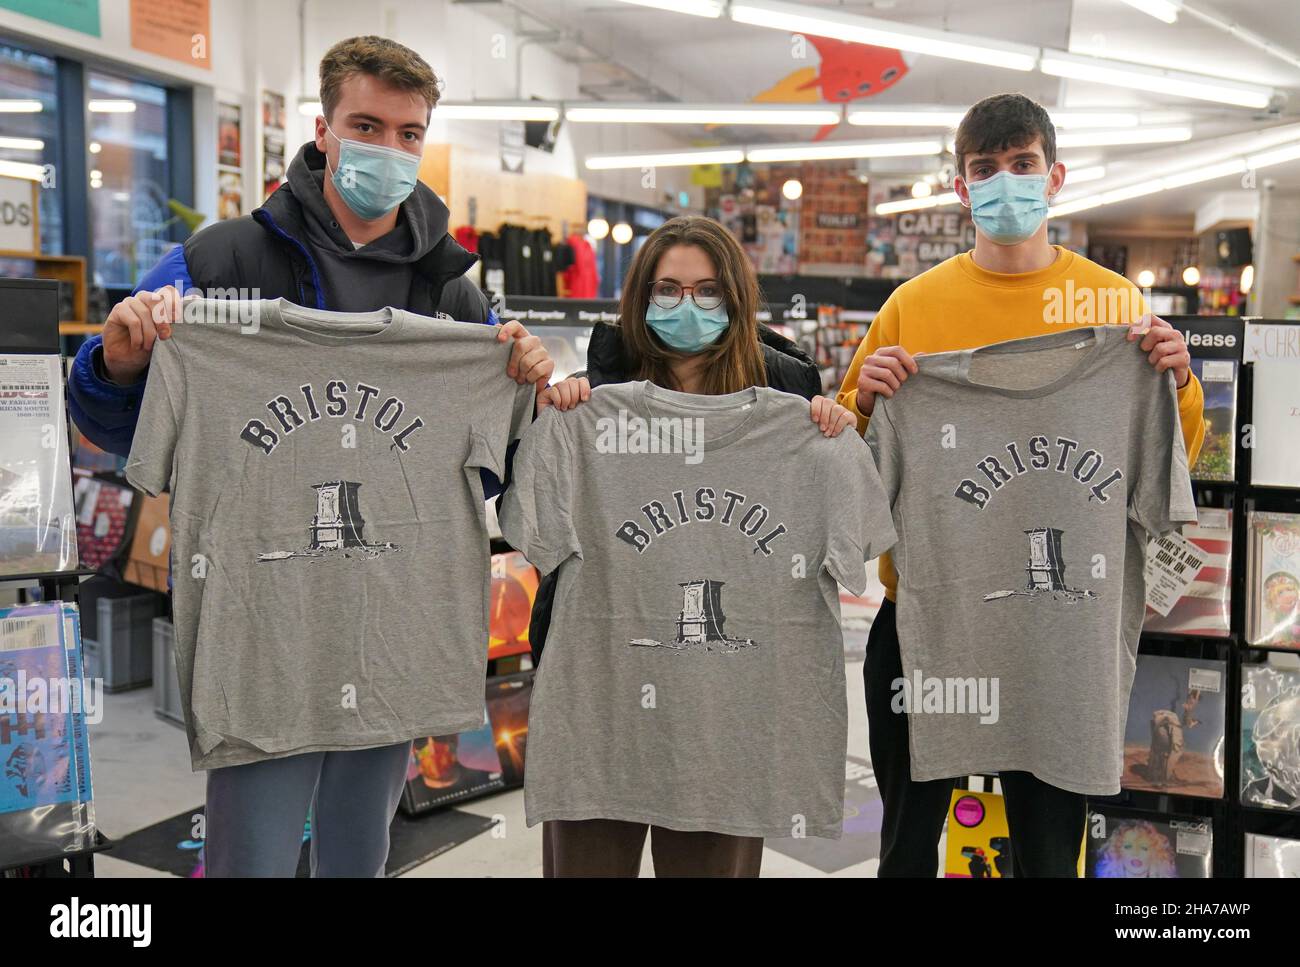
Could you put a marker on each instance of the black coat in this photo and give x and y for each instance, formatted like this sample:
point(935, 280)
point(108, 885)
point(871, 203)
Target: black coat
point(789, 370)
point(291, 247)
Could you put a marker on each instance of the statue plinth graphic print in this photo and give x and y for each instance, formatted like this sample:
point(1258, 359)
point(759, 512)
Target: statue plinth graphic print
point(336, 528)
point(1045, 572)
point(700, 622)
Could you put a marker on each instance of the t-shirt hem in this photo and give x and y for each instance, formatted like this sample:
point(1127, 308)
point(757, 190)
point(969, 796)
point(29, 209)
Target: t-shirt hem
point(135, 480)
point(821, 831)
point(219, 759)
point(1061, 782)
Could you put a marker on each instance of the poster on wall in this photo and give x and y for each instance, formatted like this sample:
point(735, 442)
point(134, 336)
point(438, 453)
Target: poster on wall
point(79, 15)
point(272, 141)
point(750, 205)
point(229, 150)
point(230, 194)
point(176, 29)
point(906, 244)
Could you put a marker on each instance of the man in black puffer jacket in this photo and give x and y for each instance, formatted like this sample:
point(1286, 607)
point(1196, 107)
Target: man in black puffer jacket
point(789, 370)
point(351, 230)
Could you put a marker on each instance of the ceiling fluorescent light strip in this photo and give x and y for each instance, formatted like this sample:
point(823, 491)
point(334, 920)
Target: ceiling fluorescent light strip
point(21, 169)
point(1160, 9)
point(706, 156)
point(696, 8)
point(1153, 79)
point(485, 111)
point(840, 150)
point(950, 117)
point(1180, 179)
point(774, 114)
point(1100, 139)
point(917, 204)
point(822, 22)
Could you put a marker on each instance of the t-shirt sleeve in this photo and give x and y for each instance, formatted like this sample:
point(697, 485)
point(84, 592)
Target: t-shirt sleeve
point(536, 513)
point(1162, 493)
point(505, 420)
point(858, 510)
point(882, 440)
point(158, 429)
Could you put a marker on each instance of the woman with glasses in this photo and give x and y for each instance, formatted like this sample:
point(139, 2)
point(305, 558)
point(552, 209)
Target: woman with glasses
point(688, 321)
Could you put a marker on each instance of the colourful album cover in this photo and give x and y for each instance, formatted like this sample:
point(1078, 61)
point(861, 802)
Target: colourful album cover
point(1272, 857)
point(1273, 581)
point(1174, 735)
point(1189, 578)
point(508, 698)
point(1270, 736)
point(1128, 844)
point(103, 512)
point(1217, 459)
point(45, 790)
point(510, 605)
point(449, 768)
point(38, 531)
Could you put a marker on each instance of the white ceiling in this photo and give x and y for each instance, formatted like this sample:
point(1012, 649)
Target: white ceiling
point(632, 53)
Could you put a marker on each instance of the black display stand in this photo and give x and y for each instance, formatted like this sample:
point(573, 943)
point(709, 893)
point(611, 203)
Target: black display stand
point(30, 309)
point(1231, 818)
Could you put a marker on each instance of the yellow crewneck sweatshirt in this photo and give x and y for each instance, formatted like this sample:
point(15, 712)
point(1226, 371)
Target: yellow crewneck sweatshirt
point(958, 305)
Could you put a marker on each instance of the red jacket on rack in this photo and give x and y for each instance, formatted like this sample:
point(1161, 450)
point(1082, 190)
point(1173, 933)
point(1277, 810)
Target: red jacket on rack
point(581, 279)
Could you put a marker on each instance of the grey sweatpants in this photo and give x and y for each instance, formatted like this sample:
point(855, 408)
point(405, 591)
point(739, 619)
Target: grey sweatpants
point(255, 813)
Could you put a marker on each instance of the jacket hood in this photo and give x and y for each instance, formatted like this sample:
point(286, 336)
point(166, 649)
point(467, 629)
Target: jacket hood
point(298, 207)
point(607, 360)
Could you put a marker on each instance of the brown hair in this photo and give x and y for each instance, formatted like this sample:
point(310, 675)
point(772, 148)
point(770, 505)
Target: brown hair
point(379, 57)
point(1004, 121)
point(735, 361)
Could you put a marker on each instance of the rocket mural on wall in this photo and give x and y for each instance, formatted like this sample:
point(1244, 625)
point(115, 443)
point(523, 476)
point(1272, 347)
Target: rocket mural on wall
point(848, 72)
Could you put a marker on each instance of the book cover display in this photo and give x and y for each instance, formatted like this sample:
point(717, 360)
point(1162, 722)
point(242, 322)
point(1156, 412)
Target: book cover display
point(1174, 735)
point(46, 805)
point(38, 530)
point(1273, 579)
point(1128, 844)
point(1270, 735)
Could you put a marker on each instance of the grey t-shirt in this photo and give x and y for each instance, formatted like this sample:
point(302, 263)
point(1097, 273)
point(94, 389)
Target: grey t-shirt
point(1025, 477)
point(694, 670)
point(329, 552)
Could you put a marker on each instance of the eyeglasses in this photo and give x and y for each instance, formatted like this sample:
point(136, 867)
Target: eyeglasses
point(667, 294)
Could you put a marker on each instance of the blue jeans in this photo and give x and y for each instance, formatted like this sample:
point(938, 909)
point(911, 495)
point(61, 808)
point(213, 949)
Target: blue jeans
point(255, 813)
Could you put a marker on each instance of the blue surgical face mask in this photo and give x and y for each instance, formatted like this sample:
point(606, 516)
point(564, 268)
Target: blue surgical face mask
point(686, 327)
point(372, 179)
point(1008, 208)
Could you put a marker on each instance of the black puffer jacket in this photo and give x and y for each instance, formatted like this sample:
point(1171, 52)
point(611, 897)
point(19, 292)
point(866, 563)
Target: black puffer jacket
point(789, 370)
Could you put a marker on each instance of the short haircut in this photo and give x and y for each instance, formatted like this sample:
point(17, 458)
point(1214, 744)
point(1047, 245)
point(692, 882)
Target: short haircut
point(1004, 121)
point(381, 58)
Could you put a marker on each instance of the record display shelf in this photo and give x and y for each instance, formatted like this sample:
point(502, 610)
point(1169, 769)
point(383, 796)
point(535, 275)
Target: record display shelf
point(30, 308)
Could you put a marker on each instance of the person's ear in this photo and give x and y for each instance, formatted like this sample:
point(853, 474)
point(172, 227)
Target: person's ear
point(963, 193)
point(322, 135)
point(1055, 179)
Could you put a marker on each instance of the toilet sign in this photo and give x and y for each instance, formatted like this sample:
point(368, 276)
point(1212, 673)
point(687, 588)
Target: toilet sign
point(18, 225)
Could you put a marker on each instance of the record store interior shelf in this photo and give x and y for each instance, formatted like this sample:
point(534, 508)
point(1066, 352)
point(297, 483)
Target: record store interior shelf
point(30, 310)
point(1231, 819)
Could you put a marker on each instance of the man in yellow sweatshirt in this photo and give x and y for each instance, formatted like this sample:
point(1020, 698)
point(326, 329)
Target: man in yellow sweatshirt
point(1013, 284)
